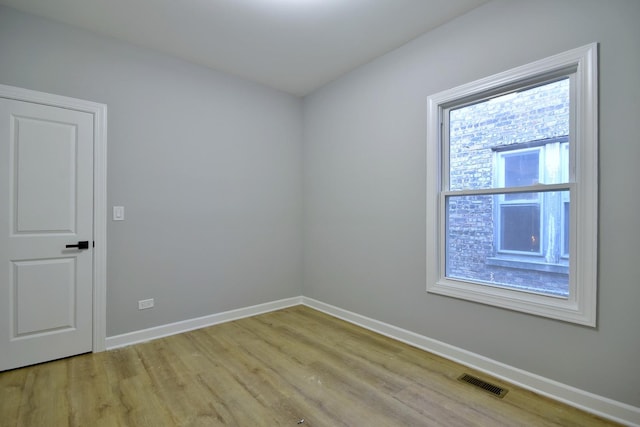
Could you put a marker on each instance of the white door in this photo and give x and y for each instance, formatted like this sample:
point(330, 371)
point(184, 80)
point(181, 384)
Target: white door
point(46, 203)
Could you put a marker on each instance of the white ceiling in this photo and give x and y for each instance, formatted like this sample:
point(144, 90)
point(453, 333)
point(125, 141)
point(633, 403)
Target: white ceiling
point(292, 45)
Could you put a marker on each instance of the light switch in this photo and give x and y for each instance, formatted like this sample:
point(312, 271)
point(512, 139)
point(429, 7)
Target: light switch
point(118, 213)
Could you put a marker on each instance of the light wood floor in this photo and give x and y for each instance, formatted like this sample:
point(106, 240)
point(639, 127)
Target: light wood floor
point(270, 370)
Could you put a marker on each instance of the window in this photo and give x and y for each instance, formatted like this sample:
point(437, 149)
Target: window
point(519, 223)
point(532, 229)
point(512, 172)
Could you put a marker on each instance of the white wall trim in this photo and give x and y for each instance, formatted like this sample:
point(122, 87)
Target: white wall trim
point(99, 112)
point(598, 405)
point(143, 335)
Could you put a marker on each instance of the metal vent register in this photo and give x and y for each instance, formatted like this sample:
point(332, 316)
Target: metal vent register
point(488, 387)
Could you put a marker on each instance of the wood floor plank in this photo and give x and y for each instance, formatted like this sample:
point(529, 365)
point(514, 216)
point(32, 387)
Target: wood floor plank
point(46, 392)
point(269, 370)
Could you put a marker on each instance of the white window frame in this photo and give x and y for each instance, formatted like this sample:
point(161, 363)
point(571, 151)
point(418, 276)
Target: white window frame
point(581, 304)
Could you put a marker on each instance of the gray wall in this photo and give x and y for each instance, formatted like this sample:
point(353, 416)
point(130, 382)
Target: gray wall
point(364, 171)
point(207, 166)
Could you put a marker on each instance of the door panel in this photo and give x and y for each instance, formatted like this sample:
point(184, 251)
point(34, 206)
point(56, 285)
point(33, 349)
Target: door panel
point(46, 199)
point(43, 296)
point(45, 175)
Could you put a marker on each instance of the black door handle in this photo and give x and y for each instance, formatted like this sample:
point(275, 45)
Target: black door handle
point(81, 245)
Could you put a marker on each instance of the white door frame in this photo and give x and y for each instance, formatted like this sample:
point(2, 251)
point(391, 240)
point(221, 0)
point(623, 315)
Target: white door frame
point(99, 112)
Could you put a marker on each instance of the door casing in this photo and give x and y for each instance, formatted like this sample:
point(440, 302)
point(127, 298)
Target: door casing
point(99, 112)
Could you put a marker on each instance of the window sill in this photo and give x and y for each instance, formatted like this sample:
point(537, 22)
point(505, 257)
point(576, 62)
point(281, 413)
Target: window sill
point(528, 265)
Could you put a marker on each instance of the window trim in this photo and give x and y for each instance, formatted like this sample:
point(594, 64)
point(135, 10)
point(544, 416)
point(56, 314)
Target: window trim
point(581, 305)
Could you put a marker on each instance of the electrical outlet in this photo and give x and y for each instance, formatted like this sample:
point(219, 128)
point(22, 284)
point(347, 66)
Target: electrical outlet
point(145, 303)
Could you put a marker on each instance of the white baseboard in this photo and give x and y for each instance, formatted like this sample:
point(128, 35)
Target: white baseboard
point(143, 335)
point(598, 405)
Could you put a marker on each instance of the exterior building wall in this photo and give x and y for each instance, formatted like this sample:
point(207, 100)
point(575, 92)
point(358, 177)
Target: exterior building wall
point(475, 132)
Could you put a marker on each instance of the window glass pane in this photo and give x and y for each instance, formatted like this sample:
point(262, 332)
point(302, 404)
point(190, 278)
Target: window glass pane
point(518, 120)
point(520, 228)
point(514, 246)
point(520, 170)
point(469, 236)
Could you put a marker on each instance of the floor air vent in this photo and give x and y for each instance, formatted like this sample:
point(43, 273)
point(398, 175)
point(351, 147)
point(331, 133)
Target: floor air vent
point(488, 387)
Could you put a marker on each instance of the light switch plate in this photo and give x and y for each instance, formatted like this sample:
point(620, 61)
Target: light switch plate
point(118, 213)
